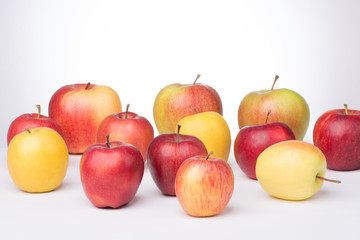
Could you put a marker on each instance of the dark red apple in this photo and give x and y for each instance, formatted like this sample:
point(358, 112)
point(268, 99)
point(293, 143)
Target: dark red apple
point(252, 140)
point(127, 127)
point(337, 134)
point(30, 121)
point(166, 153)
point(111, 173)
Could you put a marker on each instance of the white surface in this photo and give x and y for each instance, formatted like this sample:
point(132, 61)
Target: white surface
point(137, 47)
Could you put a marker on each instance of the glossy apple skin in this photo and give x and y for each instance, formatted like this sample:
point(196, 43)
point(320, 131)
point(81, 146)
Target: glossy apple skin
point(286, 106)
point(30, 121)
point(79, 112)
point(252, 140)
point(204, 187)
point(111, 176)
point(338, 137)
point(177, 101)
point(135, 130)
point(165, 156)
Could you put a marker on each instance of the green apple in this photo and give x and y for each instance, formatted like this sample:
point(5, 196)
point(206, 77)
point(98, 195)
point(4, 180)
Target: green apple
point(286, 106)
point(291, 170)
point(212, 129)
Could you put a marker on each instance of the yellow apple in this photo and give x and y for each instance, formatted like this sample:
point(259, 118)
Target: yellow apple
point(212, 129)
point(37, 160)
point(291, 170)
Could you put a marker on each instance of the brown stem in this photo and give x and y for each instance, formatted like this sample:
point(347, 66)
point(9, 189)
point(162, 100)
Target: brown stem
point(195, 110)
point(28, 130)
point(127, 110)
point(197, 77)
point(178, 133)
point(210, 153)
point(267, 116)
point(276, 78)
point(346, 109)
point(87, 86)
point(39, 111)
point(328, 180)
point(107, 140)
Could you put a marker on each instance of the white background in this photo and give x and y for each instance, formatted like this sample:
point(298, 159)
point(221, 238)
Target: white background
point(139, 47)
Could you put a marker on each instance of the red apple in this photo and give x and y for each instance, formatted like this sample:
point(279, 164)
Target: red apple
point(337, 134)
point(111, 173)
point(252, 140)
point(79, 110)
point(166, 153)
point(30, 121)
point(177, 101)
point(127, 127)
point(204, 185)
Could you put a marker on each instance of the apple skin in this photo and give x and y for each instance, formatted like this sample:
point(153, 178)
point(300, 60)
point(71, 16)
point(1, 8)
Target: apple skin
point(79, 112)
point(204, 187)
point(177, 101)
point(252, 140)
point(288, 170)
point(30, 121)
point(338, 137)
point(166, 153)
point(286, 106)
point(134, 129)
point(111, 176)
point(37, 160)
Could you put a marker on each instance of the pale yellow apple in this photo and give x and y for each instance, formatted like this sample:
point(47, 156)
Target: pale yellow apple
point(289, 170)
point(37, 160)
point(212, 129)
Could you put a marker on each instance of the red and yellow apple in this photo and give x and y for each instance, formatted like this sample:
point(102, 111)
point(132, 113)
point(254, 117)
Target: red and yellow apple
point(177, 101)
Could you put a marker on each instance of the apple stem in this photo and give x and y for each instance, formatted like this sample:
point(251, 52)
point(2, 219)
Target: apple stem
point(178, 133)
point(207, 157)
point(87, 86)
point(127, 110)
point(39, 111)
point(346, 109)
point(197, 77)
point(107, 140)
point(328, 180)
point(28, 130)
point(267, 116)
point(276, 78)
point(195, 110)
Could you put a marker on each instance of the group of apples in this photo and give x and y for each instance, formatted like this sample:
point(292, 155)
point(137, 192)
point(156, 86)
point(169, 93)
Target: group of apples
point(189, 156)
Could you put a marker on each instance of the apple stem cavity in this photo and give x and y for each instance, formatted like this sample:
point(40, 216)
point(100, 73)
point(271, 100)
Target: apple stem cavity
point(39, 111)
point(207, 157)
point(197, 77)
point(87, 86)
point(346, 109)
point(178, 133)
point(127, 110)
point(28, 130)
point(328, 180)
point(267, 116)
point(276, 78)
point(107, 140)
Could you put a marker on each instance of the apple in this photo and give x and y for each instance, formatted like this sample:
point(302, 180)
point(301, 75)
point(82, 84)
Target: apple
point(212, 129)
point(29, 121)
point(286, 106)
point(127, 127)
point(166, 153)
point(37, 160)
point(252, 140)
point(177, 101)
point(79, 110)
point(291, 170)
point(111, 173)
point(204, 185)
point(337, 134)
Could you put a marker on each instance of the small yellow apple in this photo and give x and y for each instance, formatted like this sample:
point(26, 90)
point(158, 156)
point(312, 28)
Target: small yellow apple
point(291, 170)
point(37, 160)
point(212, 129)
